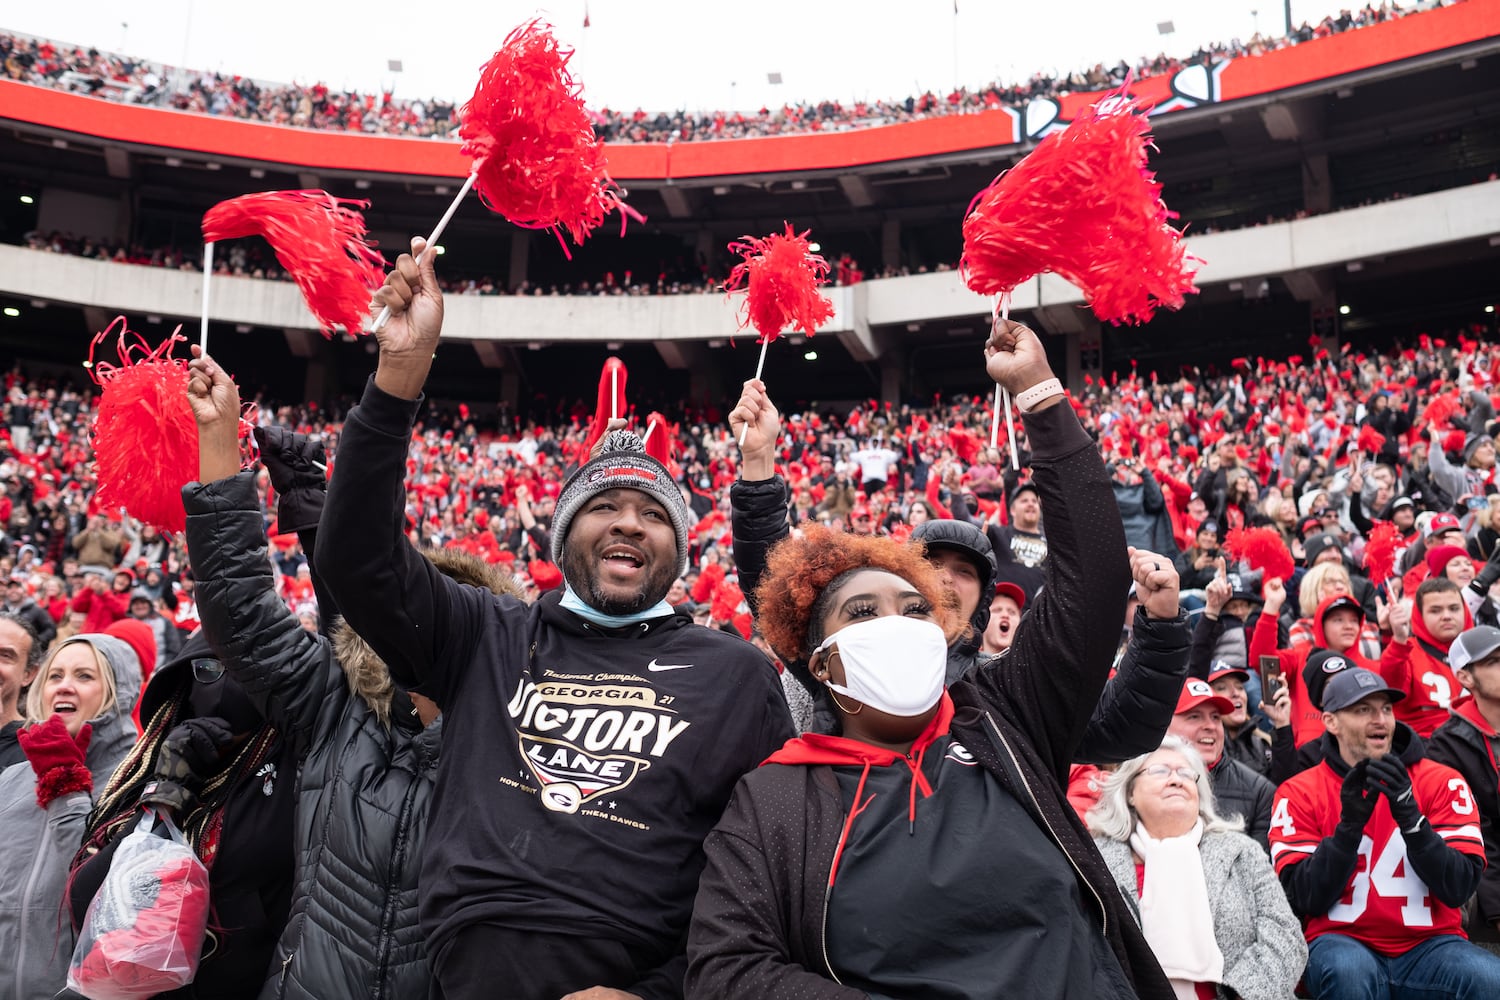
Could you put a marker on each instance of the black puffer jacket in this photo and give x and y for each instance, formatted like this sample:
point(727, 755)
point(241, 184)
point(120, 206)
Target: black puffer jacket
point(1240, 791)
point(365, 782)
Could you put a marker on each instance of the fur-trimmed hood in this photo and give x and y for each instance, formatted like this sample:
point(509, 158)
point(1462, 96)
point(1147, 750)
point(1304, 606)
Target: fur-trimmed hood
point(369, 680)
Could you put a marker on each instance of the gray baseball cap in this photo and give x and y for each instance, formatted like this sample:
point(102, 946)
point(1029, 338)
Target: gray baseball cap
point(1349, 687)
point(1473, 646)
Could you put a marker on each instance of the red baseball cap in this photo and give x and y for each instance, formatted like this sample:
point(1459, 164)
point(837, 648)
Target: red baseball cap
point(1442, 522)
point(1007, 589)
point(1196, 692)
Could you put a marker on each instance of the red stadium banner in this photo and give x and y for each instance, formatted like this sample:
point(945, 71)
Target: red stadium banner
point(1246, 76)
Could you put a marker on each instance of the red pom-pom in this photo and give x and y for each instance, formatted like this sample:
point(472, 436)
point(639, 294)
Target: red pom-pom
point(611, 403)
point(780, 275)
point(319, 239)
point(536, 158)
point(1370, 440)
point(1082, 205)
point(726, 602)
point(708, 583)
point(1437, 413)
point(1263, 549)
point(145, 438)
point(1380, 551)
point(662, 440)
point(545, 575)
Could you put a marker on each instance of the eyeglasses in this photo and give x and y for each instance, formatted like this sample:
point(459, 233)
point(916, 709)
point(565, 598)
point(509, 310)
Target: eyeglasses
point(206, 669)
point(1163, 771)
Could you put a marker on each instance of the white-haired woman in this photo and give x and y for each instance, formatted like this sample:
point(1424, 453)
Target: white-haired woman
point(1207, 898)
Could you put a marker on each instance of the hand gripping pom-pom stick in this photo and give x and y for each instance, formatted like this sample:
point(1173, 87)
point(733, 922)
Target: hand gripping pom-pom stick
point(780, 275)
point(1084, 206)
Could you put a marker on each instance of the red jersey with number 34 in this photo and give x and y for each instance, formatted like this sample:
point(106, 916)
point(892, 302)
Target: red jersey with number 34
point(1385, 905)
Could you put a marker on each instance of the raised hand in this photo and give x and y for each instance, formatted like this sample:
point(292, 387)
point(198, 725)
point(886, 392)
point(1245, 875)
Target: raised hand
point(212, 394)
point(1275, 594)
point(756, 417)
point(1156, 583)
point(1014, 356)
point(411, 334)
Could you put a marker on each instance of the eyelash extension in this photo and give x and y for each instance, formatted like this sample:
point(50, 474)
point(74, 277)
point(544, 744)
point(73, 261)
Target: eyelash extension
point(862, 608)
point(919, 608)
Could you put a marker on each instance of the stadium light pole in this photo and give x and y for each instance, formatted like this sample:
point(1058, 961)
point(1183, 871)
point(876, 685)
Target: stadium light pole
point(1287, 8)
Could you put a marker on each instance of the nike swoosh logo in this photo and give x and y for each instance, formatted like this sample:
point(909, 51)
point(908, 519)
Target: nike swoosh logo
point(653, 665)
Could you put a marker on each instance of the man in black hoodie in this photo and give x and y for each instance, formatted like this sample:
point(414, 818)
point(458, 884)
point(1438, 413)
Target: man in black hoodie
point(1378, 848)
point(591, 740)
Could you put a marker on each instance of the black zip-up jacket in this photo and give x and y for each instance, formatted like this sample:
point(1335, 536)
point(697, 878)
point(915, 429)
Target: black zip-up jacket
point(1472, 752)
point(1132, 713)
point(758, 921)
point(582, 766)
point(364, 788)
point(1243, 791)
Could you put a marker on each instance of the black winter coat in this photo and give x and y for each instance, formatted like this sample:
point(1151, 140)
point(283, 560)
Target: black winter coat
point(365, 785)
point(757, 926)
point(1238, 790)
point(1463, 746)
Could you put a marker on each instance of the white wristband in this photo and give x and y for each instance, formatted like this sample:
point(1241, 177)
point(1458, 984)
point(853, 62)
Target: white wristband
point(1027, 399)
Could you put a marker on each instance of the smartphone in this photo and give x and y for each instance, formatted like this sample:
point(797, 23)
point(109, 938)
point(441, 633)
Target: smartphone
point(1476, 503)
point(1270, 677)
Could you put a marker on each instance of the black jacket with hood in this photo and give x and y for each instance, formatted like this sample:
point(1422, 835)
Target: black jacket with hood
point(758, 924)
point(1471, 746)
point(367, 772)
point(1136, 705)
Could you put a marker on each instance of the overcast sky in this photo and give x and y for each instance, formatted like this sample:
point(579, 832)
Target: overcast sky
point(658, 54)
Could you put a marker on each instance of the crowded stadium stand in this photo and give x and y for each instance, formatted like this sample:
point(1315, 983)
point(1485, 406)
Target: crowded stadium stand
point(1339, 184)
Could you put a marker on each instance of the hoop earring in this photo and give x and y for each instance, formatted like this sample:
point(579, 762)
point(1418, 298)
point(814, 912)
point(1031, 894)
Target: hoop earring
point(840, 704)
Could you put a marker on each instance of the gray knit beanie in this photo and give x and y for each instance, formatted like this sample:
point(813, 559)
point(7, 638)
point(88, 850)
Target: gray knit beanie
point(622, 463)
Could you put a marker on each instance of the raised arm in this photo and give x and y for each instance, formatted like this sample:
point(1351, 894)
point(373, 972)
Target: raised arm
point(289, 672)
point(415, 619)
point(758, 499)
point(1050, 680)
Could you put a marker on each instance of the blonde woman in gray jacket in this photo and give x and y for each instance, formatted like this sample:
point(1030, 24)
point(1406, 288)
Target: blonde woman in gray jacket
point(1205, 894)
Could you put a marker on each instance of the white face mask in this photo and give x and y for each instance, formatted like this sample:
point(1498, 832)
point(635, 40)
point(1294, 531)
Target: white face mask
point(893, 663)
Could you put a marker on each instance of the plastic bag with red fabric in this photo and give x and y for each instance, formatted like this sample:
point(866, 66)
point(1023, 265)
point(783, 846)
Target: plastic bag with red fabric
point(144, 930)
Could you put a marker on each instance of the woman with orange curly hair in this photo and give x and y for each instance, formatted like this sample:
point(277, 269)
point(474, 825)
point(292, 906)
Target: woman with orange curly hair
point(929, 849)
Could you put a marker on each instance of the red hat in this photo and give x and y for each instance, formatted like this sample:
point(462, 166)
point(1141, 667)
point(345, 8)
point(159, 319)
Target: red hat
point(1440, 523)
point(1439, 558)
point(1196, 692)
point(1007, 589)
point(545, 575)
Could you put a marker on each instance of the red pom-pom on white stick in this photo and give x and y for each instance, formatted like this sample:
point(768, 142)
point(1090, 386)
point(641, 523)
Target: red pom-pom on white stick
point(318, 238)
point(609, 404)
point(1082, 205)
point(536, 157)
point(780, 275)
point(537, 160)
point(145, 438)
point(1085, 206)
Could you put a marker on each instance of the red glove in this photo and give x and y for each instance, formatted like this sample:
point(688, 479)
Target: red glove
point(57, 758)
